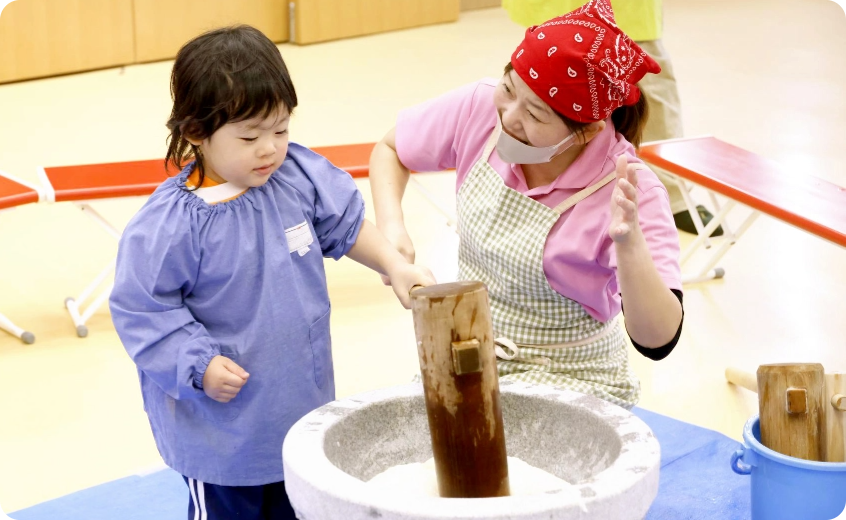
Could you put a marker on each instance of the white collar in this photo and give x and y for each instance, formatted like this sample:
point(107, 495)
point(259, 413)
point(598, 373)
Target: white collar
point(219, 193)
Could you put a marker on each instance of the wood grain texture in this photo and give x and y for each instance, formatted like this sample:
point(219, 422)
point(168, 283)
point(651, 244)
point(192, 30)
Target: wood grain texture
point(742, 379)
point(465, 417)
point(835, 384)
point(323, 20)
point(800, 434)
point(41, 38)
point(467, 5)
point(163, 26)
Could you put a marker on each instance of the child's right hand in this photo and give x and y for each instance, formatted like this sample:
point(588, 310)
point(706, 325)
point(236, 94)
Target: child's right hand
point(397, 235)
point(405, 277)
point(223, 379)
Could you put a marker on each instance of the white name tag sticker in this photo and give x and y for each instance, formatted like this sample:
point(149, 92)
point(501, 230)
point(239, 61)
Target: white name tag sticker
point(299, 238)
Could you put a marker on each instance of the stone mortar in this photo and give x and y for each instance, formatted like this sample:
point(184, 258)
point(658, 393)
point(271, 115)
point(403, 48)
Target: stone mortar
point(609, 454)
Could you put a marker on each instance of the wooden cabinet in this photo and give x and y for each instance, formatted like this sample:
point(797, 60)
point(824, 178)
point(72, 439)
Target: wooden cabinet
point(163, 26)
point(322, 20)
point(41, 38)
point(479, 4)
point(50, 37)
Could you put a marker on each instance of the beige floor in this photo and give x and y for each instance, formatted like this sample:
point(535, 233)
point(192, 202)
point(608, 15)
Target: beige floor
point(767, 75)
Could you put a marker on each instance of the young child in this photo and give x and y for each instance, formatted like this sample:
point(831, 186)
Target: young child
point(220, 293)
point(555, 215)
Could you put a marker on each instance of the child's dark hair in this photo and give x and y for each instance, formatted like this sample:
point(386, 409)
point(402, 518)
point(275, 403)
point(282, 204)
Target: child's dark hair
point(225, 75)
point(629, 120)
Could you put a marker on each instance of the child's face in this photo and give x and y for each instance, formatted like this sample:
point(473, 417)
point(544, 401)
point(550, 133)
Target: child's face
point(525, 116)
point(245, 153)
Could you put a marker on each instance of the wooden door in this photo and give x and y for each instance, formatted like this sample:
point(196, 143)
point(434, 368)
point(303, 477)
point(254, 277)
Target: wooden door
point(163, 26)
point(49, 37)
point(322, 20)
point(466, 5)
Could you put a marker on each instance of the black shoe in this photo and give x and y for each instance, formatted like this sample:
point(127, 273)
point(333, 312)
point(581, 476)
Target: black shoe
point(684, 221)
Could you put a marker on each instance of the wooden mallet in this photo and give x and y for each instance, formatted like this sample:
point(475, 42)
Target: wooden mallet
point(452, 323)
point(802, 410)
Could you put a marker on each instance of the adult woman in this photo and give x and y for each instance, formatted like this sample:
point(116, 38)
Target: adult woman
point(555, 216)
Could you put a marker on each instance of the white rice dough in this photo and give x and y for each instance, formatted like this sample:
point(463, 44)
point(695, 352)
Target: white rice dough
point(420, 479)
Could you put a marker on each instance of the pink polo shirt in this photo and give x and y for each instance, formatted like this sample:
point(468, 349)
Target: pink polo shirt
point(450, 131)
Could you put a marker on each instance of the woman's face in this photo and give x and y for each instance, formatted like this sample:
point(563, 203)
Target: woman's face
point(525, 116)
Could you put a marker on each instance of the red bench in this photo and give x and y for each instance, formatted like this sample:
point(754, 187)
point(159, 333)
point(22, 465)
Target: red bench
point(745, 178)
point(15, 192)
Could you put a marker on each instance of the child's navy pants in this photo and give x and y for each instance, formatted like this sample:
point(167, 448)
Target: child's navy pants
point(211, 502)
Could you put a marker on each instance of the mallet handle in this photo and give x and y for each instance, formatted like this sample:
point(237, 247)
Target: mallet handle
point(742, 378)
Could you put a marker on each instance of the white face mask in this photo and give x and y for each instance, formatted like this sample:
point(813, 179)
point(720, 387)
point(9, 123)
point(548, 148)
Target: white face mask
point(513, 151)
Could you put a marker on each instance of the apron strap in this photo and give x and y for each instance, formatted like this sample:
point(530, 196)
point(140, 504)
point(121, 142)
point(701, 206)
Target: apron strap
point(500, 346)
point(489, 146)
point(506, 349)
point(580, 196)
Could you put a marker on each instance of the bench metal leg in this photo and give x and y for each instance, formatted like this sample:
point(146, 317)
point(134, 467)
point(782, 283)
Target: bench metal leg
point(25, 336)
point(433, 199)
point(708, 270)
point(96, 217)
point(74, 305)
point(694, 213)
point(703, 238)
point(727, 232)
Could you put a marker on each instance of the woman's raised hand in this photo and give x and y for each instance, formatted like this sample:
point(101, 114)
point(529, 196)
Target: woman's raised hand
point(624, 220)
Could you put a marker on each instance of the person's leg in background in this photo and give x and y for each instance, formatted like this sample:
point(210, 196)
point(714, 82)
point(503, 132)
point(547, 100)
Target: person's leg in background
point(212, 502)
point(665, 123)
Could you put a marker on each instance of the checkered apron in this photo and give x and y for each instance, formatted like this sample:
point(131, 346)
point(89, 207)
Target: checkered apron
point(545, 337)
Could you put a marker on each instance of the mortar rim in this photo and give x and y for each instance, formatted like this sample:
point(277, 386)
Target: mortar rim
point(633, 473)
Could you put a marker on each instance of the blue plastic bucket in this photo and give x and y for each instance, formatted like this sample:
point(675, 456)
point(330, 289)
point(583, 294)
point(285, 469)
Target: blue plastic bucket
point(786, 487)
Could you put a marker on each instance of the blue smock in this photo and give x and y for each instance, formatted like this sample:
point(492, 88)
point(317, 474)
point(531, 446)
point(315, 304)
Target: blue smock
point(195, 280)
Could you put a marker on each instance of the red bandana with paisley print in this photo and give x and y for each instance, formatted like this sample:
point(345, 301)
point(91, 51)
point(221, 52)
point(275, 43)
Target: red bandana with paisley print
point(581, 64)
